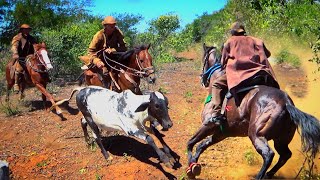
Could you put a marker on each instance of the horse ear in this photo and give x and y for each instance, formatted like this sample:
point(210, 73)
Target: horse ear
point(148, 46)
point(43, 45)
point(204, 46)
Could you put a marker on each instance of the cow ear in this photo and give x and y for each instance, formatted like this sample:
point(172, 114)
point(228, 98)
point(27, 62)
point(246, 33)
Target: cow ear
point(142, 107)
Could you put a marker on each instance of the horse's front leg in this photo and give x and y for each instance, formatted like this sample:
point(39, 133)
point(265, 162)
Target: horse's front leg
point(22, 87)
point(204, 131)
point(46, 94)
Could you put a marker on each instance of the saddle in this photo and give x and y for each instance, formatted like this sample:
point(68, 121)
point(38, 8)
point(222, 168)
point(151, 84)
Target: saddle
point(246, 86)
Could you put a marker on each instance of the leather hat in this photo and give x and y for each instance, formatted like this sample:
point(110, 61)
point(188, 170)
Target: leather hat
point(109, 20)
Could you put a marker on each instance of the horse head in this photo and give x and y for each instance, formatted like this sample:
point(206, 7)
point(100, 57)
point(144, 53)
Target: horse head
point(141, 60)
point(210, 63)
point(41, 55)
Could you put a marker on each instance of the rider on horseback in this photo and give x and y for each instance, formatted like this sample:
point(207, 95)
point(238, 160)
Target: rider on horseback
point(22, 46)
point(243, 59)
point(110, 39)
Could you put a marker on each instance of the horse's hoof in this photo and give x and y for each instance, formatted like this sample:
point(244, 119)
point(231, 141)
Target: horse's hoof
point(196, 169)
point(190, 174)
point(109, 158)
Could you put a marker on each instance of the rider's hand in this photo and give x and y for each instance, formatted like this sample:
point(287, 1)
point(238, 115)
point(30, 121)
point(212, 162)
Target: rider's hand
point(15, 56)
point(110, 50)
point(100, 64)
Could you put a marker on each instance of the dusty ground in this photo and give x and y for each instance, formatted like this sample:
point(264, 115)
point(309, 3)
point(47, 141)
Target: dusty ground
point(38, 145)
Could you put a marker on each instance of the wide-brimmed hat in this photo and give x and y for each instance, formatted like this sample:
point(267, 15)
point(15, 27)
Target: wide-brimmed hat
point(25, 26)
point(237, 27)
point(109, 20)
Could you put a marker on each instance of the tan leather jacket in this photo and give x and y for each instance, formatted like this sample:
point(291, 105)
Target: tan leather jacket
point(21, 45)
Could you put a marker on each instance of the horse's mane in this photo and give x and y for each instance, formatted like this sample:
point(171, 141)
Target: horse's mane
point(126, 55)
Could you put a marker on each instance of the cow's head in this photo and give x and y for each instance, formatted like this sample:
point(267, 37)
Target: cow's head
point(158, 108)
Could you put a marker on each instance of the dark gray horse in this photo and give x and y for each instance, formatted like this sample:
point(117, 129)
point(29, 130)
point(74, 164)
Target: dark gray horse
point(265, 113)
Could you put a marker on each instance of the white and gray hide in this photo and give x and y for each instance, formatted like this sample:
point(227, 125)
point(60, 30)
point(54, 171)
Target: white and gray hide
point(103, 109)
point(4, 170)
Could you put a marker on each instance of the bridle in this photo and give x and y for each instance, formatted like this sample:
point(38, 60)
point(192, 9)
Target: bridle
point(39, 57)
point(205, 76)
point(142, 72)
point(206, 59)
point(144, 69)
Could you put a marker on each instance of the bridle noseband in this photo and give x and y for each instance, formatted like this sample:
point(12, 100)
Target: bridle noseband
point(144, 69)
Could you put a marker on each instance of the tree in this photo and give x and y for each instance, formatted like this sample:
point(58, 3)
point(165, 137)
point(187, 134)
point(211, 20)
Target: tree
point(165, 25)
point(40, 14)
point(127, 23)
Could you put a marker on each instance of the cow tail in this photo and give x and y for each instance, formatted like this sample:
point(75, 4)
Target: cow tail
point(309, 127)
point(72, 93)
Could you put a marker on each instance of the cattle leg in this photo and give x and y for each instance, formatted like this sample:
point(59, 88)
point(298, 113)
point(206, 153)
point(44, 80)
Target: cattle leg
point(166, 148)
point(97, 136)
point(285, 154)
point(163, 157)
point(84, 125)
point(49, 96)
point(262, 147)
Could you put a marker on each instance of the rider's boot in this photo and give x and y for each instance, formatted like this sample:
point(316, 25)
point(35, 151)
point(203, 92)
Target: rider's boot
point(104, 77)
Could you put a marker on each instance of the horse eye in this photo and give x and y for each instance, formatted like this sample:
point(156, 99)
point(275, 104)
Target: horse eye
point(157, 106)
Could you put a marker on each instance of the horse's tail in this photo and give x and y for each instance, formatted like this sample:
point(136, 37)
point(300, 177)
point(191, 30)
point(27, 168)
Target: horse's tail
point(72, 93)
point(310, 129)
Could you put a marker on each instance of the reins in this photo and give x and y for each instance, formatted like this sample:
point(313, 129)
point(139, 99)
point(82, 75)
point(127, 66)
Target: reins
point(138, 73)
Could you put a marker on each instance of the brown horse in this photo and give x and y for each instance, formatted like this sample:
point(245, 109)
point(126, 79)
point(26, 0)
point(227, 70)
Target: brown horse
point(35, 73)
point(265, 113)
point(126, 72)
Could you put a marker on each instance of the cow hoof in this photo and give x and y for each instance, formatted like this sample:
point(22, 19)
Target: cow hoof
point(169, 165)
point(172, 161)
point(109, 158)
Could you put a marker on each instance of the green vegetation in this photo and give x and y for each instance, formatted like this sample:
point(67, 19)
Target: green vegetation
point(68, 29)
point(250, 158)
point(286, 57)
point(9, 110)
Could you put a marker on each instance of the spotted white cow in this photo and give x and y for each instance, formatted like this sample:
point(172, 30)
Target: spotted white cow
point(104, 109)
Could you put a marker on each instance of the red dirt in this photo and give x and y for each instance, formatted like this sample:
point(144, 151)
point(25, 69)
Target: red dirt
point(38, 145)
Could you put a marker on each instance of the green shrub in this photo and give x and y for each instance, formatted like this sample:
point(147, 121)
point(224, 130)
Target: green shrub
point(250, 157)
point(66, 45)
point(284, 56)
point(9, 110)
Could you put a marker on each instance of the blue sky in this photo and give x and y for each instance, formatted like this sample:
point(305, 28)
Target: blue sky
point(187, 10)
